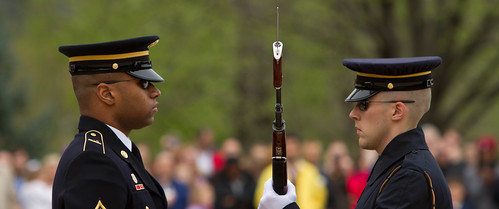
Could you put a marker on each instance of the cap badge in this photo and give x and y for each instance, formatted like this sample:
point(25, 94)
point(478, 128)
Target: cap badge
point(124, 154)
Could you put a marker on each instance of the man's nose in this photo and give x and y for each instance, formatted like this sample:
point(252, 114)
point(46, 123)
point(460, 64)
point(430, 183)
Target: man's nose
point(353, 114)
point(155, 92)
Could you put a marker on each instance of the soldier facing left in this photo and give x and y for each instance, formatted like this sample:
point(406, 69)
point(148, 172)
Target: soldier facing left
point(102, 167)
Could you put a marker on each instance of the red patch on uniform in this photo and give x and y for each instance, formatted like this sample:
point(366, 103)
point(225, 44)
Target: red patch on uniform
point(139, 187)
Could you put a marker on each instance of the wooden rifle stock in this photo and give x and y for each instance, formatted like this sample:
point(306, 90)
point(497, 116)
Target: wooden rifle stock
point(279, 170)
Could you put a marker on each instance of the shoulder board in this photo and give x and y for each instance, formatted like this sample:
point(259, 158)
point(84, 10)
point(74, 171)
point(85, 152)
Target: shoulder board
point(94, 137)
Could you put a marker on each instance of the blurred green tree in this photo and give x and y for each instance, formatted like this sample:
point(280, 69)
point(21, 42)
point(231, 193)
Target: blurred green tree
point(216, 59)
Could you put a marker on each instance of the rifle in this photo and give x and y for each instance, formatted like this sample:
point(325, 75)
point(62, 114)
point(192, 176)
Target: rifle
point(279, 173)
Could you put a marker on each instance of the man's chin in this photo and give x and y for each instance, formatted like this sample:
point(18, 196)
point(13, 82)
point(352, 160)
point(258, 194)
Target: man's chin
point(362, 143)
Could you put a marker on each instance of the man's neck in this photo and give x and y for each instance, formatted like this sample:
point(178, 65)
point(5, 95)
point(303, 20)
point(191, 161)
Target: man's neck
point(394, 133)
point(105, 119)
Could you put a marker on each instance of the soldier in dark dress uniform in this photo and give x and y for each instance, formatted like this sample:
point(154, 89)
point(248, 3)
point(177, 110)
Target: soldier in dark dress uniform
point(392, 95)
point(102, 168)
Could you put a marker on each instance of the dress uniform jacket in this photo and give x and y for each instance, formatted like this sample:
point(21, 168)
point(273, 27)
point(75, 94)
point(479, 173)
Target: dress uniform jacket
point(292, 206)
point(407, 186)
point(98, 171)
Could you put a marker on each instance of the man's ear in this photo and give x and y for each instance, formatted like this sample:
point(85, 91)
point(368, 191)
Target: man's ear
point(399, 111)
point(105, 94)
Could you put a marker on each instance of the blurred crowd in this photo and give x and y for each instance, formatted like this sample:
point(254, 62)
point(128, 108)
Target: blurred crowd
point(202, 175)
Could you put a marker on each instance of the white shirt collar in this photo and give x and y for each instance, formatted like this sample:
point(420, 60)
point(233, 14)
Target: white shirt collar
point(124, 139)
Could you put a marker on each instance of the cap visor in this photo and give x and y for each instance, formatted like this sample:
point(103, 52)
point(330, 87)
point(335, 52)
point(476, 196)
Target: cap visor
point(359, 95)
point(147, 74)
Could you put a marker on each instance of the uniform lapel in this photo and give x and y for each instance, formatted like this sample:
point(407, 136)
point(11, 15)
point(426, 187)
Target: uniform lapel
point(138, 167)
point(115, 144)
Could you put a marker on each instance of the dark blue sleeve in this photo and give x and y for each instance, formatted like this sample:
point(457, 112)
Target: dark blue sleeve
point(292, 206)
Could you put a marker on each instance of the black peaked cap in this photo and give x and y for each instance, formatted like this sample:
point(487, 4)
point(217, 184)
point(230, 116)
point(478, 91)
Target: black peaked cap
point(129, 55)
point(390, 74)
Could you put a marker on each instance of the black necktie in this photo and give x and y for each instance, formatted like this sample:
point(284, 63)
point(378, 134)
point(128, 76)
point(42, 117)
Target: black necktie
point(136, 153)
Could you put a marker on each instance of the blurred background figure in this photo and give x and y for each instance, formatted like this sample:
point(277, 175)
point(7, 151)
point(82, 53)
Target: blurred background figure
point(357, 180)
point(186, 171)
point(202, 197)
point(207, 161)
point(171, 142)
point(451, 154)
point(312, 151)
point(459, 195)
point(259, 158)
point(20, 161)
point(231, 148)
point(145, 153)
point(337, 166)
point(163, 168)
point(37, 193)
point(311, 192)
point(487, 172)
point(8, 198)
point(433, 138)
point(234, 187)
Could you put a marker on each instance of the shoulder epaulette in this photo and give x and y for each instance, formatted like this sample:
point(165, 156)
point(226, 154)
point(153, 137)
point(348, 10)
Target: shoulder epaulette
point(94, 137)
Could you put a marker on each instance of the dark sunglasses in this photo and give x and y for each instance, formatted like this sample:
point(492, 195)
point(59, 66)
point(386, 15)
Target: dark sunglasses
point(364, 103)
point(143, 83)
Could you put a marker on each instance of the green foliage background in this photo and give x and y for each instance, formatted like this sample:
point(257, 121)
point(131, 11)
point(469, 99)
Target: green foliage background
point(216, 59)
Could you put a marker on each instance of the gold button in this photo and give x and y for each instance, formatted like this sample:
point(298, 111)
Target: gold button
point(390, 86)
point(124, 154)
point(115, 66)
point(147, 207)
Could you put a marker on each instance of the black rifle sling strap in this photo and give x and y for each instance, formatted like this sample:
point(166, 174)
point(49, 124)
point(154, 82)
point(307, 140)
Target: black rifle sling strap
point(428, 180)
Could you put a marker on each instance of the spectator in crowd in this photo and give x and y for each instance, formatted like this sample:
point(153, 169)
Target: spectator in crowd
point(37, 193)
point(312, 151)
point(433, 139)
point(234, 187)
point(356, 182)
point(145, 153)
point(8, 198)
point(203, 196)
point(259, 158)
point(207, 161)
point(163, 169)
point(171, 142)
point(452, 156)
point(482, 191)
point(20, 161)
point(310, 185)
point(459, 195)
point(187, 170)
point(337, 165)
